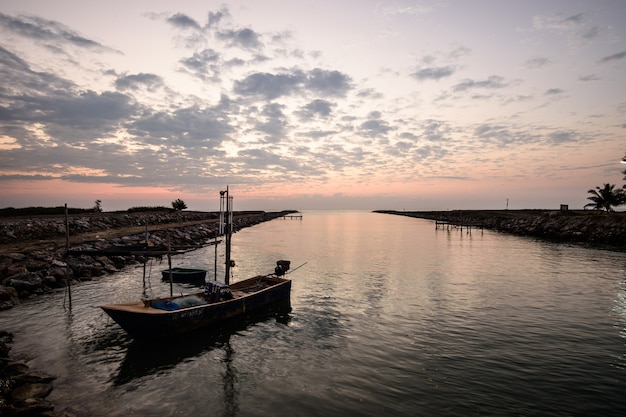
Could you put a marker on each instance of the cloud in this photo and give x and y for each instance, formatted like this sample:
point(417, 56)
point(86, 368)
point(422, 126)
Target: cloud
point(316, 134)
point(537, 63)
point(48, 31)
point(56, 104)
point(215, 18)
point(268, 86)
point(558, 22)
point(87, 110)
point(614, 57)
point(191, 127)
point(575, 26)
point(182, 21)
point(493, 81)
point(137, 81)
point(561, 137)
point(433, 73)
point(590, 77)
point(375, 126)
point(271, 86)
point(273, 122)
point(332, 83)
point(435, 130)
point(410, 10)
point(503, 136)
point(243, 38)
point(314, 109)
point(204, 65)
point(554, 91)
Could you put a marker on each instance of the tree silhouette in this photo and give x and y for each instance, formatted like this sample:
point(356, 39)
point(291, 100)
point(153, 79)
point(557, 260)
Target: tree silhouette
point(179, 204)
point(606, 198)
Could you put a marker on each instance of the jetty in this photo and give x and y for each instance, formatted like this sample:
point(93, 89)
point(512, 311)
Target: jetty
point(583, 226)
point(292, 216)
point(458, 224)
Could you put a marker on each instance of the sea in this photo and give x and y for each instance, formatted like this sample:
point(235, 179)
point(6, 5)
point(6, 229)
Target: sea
point(388, 316)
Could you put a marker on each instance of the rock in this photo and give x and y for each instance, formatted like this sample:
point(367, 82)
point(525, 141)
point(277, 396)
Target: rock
point(4, 349)
point(32, 407)
point(10, 268)
point(15, 256)
point(35, 265)
point(50, 281)
point(14, 369)
point(7, 293)
point(59, 273)
point(26, 391)
point(79, 268)
point(33, 378)
point(107, 264)
point(24, 283)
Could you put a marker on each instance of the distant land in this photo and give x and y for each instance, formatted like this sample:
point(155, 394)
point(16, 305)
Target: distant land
point(583, 226)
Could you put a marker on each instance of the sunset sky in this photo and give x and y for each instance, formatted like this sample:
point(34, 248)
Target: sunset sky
point(358, 104)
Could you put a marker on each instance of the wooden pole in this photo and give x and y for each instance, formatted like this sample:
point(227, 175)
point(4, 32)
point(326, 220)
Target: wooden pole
point(229, 231)
point(67, 265)
point(169, 263)
point(215, 261)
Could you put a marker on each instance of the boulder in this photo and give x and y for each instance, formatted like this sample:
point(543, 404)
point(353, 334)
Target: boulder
point(59, 272)
point(107, 264)
point(7, 293)
point(26, 391)
point(25, 283)
point(79, 268)
point(32, 407)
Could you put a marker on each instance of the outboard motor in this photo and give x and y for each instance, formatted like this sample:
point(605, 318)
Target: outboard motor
point(281, 268)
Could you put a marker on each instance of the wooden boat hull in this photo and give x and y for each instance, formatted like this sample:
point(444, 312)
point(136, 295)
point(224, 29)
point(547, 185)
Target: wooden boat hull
point(184, 274)
point(143, 321)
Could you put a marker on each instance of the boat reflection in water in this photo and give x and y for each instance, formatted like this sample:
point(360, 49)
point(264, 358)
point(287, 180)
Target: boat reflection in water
point(190, 275)
point(144, 358)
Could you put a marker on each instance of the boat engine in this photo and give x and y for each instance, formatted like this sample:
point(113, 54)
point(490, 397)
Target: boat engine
point(281, 268)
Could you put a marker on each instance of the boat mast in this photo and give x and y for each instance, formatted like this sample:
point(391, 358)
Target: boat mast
point(226, 226)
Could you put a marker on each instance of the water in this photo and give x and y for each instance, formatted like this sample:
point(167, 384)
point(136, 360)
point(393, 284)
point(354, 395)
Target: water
point(390, 317)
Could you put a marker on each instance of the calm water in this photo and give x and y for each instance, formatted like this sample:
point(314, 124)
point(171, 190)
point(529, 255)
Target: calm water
point(389, 318)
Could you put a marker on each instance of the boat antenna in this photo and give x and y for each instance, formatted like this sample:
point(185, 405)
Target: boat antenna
point(226, 228)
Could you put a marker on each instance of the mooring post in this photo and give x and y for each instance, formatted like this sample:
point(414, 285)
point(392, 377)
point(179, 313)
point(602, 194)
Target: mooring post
point(68, 284)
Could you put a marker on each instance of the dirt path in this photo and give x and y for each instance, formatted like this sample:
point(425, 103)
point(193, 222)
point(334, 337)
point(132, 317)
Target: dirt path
point(59, 242)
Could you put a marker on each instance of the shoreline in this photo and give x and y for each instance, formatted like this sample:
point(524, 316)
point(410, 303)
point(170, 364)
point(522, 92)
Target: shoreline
point(568, 226)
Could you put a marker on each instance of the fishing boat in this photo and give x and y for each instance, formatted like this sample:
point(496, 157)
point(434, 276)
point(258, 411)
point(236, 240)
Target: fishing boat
point(220, 301)
point(190, 275)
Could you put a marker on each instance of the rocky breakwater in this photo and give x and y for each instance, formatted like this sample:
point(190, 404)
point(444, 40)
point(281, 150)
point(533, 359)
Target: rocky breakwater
point(589, 227)
point(33, 258)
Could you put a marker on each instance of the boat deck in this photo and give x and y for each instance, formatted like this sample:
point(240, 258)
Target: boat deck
point(238, 290)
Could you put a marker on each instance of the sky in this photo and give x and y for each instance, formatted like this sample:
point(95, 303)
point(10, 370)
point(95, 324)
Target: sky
point(311, 104)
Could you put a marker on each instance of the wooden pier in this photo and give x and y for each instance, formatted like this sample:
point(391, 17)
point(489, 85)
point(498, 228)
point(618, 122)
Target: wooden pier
point(457, 224)
point(292, 217)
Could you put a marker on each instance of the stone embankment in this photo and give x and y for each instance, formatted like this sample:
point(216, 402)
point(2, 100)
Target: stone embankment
point(33, 257)
point(33, 261)
point(590, 227)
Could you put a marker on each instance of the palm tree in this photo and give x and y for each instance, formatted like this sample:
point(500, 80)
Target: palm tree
point(606, 198)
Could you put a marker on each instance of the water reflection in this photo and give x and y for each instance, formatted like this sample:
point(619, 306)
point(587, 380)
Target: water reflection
point(144, 358)
point(231, 389)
